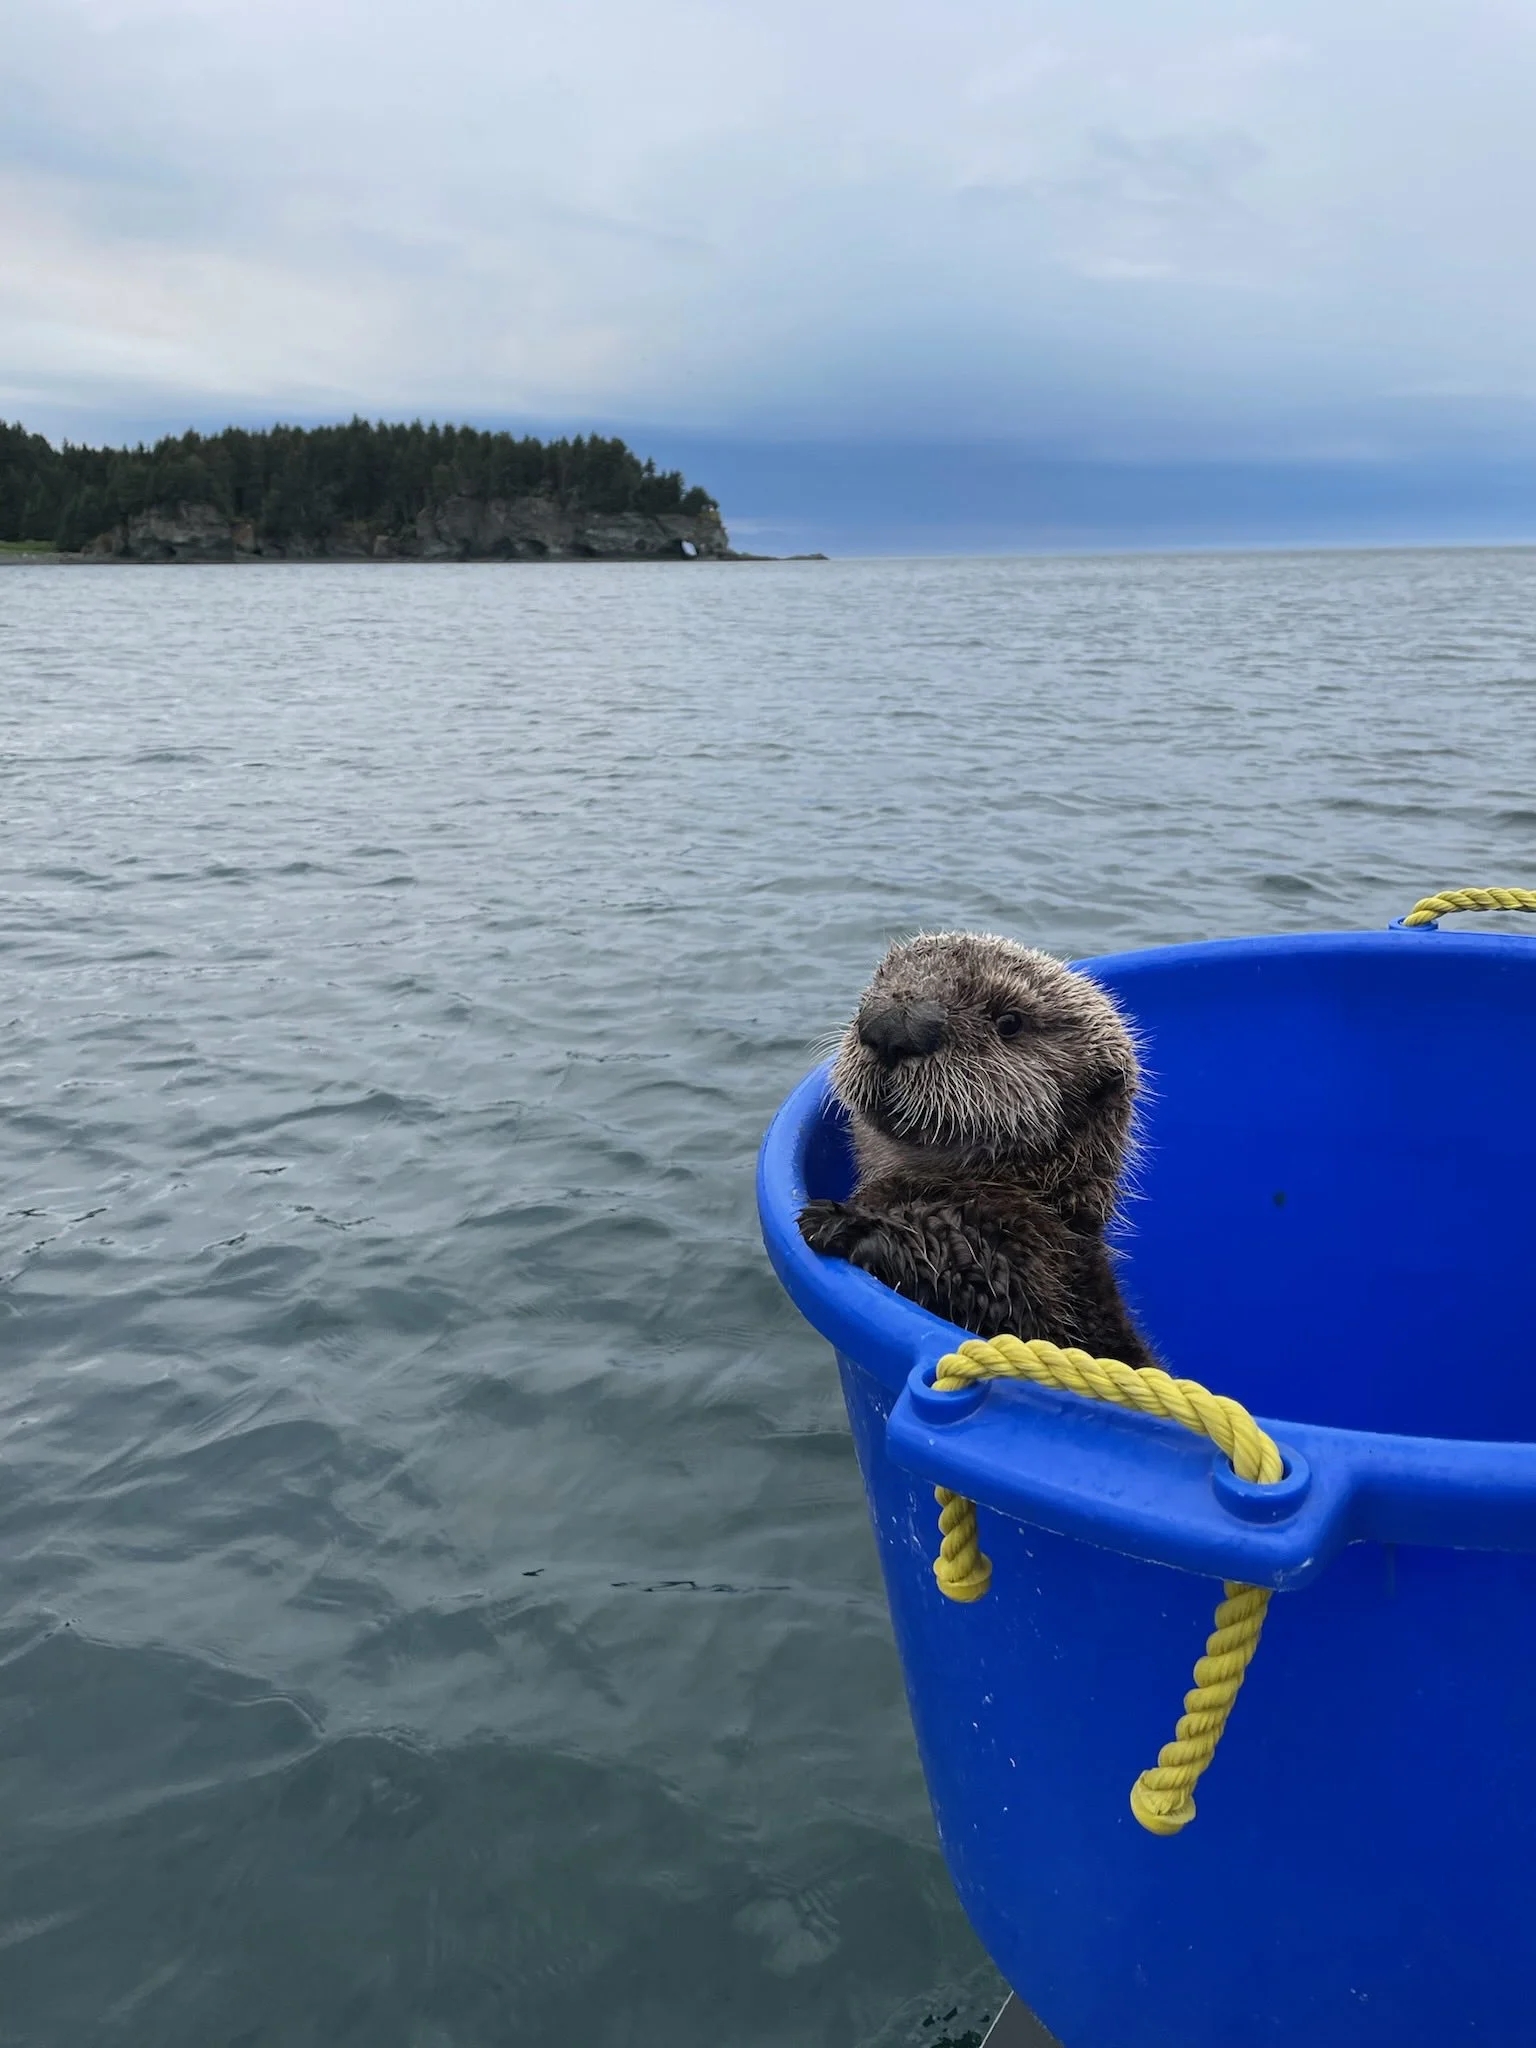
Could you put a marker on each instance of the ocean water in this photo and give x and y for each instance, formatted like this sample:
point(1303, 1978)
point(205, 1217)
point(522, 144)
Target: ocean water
point(436, 1608)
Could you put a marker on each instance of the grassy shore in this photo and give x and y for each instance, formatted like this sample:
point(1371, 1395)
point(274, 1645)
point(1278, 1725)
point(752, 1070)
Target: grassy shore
point(27, 547)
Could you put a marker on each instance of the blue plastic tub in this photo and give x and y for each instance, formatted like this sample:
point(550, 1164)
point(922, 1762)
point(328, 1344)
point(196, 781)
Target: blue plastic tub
point(1336, 1224)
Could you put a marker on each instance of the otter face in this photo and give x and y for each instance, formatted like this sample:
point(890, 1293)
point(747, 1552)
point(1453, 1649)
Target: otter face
point(969, 1050)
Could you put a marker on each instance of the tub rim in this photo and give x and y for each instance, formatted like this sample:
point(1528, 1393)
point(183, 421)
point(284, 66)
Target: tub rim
point(1133, 1483)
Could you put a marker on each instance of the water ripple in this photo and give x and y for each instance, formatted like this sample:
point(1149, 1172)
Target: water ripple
point(439, 1609)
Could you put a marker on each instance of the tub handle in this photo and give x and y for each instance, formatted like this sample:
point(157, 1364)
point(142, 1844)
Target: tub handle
point(962, 1571)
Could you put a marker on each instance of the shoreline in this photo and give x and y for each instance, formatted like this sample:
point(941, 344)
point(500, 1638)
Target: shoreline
point(55, 558)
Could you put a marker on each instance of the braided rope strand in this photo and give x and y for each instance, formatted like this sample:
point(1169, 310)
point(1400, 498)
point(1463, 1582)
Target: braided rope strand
point(1430, 908)
point(1162, 1798)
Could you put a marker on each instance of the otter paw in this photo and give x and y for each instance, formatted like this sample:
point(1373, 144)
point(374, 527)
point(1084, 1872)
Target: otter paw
point(831, 1229)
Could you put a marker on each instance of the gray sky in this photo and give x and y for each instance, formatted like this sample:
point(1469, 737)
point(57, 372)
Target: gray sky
point(1194, 227)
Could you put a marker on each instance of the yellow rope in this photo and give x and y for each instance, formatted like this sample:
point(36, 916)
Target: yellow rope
point(1428, 908)
point(1162, 1797)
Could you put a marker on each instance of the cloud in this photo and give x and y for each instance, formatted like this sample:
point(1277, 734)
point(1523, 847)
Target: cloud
point(1085, 222)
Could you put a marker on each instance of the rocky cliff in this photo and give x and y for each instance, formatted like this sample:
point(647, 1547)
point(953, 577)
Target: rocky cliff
point(536, 528)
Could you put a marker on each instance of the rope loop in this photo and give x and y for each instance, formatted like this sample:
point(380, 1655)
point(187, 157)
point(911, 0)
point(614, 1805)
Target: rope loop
point(1162, 1798)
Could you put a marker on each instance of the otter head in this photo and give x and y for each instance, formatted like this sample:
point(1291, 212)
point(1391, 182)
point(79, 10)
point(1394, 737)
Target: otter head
point(973, 1054)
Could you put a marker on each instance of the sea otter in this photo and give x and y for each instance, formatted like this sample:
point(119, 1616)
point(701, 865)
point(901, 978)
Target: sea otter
point(990, 1092)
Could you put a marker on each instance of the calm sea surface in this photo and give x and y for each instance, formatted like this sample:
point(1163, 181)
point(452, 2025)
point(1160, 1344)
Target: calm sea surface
point(436, 1608)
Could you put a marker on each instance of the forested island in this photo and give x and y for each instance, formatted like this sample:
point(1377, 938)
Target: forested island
point(358, 492)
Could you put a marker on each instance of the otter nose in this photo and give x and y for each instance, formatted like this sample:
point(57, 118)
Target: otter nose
point(901, 1031)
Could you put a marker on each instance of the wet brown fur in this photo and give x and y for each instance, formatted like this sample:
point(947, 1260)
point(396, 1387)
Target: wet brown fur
point(989, 1164)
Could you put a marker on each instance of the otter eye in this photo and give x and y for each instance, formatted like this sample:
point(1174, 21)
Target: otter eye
point(1010, 1024)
